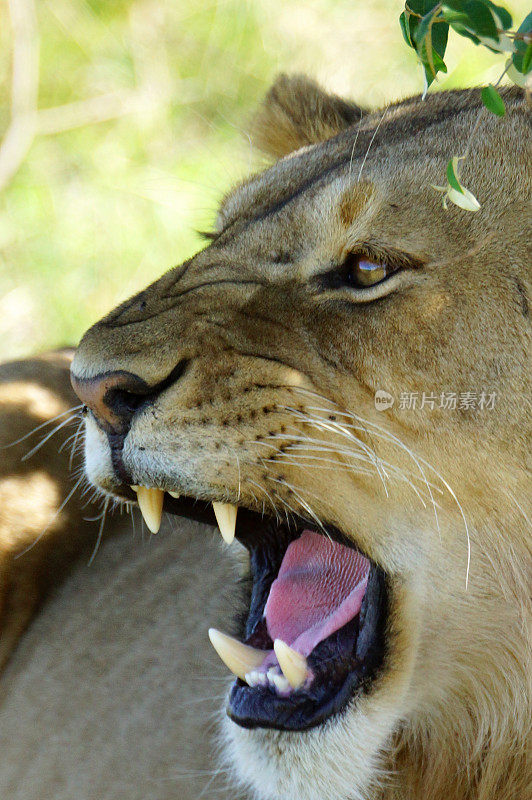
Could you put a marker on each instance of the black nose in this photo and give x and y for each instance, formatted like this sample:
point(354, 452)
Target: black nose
point(115, 397)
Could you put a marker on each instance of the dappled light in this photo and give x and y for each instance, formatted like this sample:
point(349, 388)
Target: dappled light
point(28, 504)
point(37, 400)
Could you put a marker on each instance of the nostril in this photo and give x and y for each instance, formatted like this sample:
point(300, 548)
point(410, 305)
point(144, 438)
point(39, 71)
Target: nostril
point(115, 397)
point(123, 402)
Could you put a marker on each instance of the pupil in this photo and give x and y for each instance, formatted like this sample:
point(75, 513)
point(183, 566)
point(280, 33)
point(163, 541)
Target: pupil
point(369, 273)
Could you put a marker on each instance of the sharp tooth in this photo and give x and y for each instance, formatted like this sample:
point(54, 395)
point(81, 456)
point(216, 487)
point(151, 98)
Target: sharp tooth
point(256, 678)
point(281, 683)
point(135, 488)
point(240, 658)
point(175, 495)
point(292, 663)
point(151, 506)
point(225, 514)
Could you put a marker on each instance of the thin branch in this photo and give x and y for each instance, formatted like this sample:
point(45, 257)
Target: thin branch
point(24, 89)
point(93, 110)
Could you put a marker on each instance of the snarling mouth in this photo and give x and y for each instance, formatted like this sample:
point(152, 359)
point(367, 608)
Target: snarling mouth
point(315, 633)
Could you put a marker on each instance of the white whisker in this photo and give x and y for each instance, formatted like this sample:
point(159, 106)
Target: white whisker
point(371, 143)
point(270, 499)
point(100, 532)
point(43, 425)
point(353, 148)
point(73, 448)
point(37, 447)
point(386, 435)
point(295, 490)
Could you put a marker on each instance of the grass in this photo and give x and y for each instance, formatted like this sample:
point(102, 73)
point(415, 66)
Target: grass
point(143, 108)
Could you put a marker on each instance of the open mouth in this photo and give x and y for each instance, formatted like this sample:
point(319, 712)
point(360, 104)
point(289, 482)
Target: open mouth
point(315, 632)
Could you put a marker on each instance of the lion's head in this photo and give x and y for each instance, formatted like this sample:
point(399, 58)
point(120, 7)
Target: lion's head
point(349, 364)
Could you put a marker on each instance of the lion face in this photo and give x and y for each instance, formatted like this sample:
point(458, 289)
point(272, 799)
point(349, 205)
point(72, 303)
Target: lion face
point(345, 362)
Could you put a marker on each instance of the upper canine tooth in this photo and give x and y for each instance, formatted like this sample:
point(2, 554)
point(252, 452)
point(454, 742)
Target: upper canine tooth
point(240, 658)
point(225, 514)
point(175, 495)
point(151, 506)
point(292, 663)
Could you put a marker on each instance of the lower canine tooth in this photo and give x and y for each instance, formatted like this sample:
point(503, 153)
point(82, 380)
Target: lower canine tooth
point(238, 657)
point(225, 514)
point(151, 506)
point(292, 663)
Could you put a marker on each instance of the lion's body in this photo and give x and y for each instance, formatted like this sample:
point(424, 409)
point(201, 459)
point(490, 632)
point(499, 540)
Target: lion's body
point(101, 698)
point(114, 690)
point(273, 346)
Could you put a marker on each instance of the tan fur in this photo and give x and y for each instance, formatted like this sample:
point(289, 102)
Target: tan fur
point(296, 112)
point(441, 499)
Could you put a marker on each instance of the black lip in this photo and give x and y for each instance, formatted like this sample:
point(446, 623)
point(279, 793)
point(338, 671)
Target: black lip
point(337, 680)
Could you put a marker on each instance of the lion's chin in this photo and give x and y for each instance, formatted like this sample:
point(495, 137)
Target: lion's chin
point(342, 758)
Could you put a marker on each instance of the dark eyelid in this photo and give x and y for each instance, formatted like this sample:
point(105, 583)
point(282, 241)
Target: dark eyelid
point(368, 251)
point(385, 254)
point(213, 236)
point(209, 236)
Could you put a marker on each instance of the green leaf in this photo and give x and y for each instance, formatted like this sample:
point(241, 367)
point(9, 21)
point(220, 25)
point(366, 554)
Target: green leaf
point(526, 25)
point(521, 58)
point(454, 5)
point(493, 101)
point(430, 37)
point(414, 12)
point(453, 181)
point(421, 7)
point(527, 60)
point(517, 77)
point(438, 31)
point(472, 19)
point(423, 28)
point(504, 16)
point(480, 19)
point(454, 191)
point(458, 20)
point(432, 69)
point(518, 57)
point(405, 28)
point(440, 34)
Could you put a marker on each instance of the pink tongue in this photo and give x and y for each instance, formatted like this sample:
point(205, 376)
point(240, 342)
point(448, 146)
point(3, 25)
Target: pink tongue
point(319, 589)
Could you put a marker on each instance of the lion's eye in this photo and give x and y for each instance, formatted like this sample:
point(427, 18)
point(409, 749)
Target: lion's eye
point(360, 272)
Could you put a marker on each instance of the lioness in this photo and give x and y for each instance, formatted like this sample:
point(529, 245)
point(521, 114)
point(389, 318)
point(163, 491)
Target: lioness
point(341, 379)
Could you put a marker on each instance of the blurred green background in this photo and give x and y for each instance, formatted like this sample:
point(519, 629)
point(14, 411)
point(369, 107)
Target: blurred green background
point(129, 121)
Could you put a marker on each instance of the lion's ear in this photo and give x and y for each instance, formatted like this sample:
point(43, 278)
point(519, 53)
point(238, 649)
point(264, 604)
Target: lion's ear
point(297, 112)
